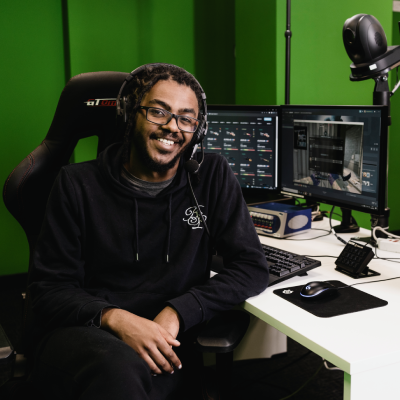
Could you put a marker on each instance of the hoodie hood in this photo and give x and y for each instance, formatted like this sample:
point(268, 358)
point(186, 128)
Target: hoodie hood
point(110, 164)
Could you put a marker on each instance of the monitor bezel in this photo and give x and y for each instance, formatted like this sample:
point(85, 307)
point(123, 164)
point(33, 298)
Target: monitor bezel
point(383, 154)
point(254, 195)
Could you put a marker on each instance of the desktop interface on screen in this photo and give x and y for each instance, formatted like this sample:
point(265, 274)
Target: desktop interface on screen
point(335, 154)
point(247, 136)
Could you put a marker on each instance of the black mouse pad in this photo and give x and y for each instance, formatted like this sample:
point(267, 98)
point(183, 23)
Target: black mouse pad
point(345, 301)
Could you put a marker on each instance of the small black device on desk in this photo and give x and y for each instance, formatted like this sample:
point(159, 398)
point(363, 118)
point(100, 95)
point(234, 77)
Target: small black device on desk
point(353, 261)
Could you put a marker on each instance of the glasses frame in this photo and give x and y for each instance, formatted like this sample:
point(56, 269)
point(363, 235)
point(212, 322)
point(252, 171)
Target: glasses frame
point(171, 115)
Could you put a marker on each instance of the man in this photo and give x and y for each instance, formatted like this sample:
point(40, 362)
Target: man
point(123, 249)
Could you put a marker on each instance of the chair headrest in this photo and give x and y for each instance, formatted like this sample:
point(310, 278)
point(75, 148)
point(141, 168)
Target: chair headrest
point(86, 108)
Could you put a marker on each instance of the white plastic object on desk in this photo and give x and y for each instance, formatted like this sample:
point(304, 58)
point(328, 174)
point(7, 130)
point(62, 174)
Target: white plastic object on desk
point(389, 244)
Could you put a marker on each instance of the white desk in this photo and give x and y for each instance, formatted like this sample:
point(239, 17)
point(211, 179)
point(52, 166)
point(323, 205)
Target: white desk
point(366, 344)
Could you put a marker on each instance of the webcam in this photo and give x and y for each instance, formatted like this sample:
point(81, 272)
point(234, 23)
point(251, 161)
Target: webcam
point(366, 45)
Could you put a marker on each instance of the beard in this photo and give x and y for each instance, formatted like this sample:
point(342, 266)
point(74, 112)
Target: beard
point(139, 143)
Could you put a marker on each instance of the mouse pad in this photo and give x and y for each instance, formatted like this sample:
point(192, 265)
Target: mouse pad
point(345, 301)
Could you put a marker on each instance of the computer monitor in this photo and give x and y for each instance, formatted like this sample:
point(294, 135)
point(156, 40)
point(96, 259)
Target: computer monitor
point(247, 136)
point(336, 155)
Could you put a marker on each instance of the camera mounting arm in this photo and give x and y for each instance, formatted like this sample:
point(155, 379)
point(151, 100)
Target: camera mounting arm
point(382, 94)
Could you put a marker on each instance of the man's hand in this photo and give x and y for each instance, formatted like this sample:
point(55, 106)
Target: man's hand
point(150, 340)
point(168, 318)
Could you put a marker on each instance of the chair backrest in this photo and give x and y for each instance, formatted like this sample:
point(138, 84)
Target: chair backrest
point(87, 107)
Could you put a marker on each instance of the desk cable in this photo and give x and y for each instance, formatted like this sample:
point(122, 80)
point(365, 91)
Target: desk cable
point(330, 368)
point(324, 363)
point(257, 380)
point(391, 259)
point(305, 383)
point(334, 232)
point(265, 376)
point(316, 237)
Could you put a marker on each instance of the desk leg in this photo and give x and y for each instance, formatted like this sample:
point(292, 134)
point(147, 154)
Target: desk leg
point(261, 341)
point(380, 383)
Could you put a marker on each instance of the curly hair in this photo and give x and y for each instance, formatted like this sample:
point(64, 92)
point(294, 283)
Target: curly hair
point(142, 84)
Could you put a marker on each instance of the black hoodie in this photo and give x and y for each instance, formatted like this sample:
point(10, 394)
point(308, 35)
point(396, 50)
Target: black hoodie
point(105, 244)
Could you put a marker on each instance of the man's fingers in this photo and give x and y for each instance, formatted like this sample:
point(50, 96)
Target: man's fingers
point(171, 356)
point(168, 337)
point(161, 362)
point(172, 342)
point(157, 362)
point(153, 366)
point(166, 348)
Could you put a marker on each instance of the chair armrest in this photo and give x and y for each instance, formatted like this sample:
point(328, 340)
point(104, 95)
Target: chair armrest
point(7, 357)
point(223, 332)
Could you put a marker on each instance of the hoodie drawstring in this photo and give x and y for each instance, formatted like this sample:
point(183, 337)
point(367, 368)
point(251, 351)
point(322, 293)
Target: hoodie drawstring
point(136, 234)
point(169, 226)
point(136, 239)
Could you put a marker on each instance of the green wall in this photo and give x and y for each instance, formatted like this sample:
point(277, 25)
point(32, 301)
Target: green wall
point(256, 40)
point(394, 139)
point(235, 48)
point(214, 35)
point(32, 77)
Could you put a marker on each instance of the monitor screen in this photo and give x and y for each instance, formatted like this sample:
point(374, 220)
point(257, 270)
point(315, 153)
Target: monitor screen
point(335, 155)
point(247, 136)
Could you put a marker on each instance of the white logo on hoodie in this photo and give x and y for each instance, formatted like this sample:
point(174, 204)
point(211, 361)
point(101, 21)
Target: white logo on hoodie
point(194, 219)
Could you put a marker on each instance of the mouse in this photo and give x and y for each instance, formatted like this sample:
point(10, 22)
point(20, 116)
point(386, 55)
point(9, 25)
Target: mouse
point(318, 290)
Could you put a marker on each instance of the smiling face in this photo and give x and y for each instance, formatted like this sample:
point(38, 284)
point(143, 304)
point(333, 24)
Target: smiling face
point(156, 149)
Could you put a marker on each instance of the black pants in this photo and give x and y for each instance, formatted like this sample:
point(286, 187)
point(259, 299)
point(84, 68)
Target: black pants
point(89, 363)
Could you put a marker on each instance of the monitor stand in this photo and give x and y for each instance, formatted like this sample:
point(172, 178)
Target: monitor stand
point(365, 239)
point(376, 220)
point(348, 224)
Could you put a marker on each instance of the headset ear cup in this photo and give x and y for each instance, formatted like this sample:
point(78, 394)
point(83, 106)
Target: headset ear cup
point(201, 131)
point(127, 107)
point(123, 108)
point(199, 136)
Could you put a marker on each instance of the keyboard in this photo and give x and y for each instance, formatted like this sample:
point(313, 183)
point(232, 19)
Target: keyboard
point(284, 265)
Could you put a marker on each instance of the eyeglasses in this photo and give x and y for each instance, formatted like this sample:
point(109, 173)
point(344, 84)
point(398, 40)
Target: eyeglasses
point(160, 116)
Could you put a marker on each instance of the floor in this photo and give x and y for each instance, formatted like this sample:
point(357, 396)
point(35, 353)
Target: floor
point(272, 379)
point(280, 376)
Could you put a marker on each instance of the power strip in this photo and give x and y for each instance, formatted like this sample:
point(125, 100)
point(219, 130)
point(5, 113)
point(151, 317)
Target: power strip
point(389, 245)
